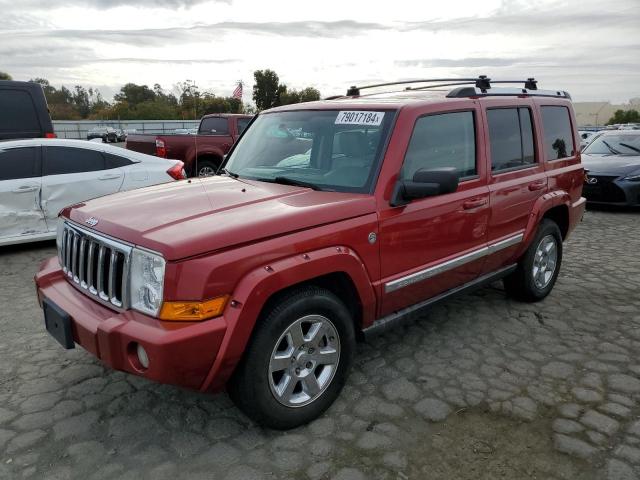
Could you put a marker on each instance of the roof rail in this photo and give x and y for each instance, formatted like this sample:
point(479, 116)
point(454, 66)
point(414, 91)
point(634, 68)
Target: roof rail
point(482, 85)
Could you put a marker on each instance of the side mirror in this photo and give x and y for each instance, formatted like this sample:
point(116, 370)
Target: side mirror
point(425, 183)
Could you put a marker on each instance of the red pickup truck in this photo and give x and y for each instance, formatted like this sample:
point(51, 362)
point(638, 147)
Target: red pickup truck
point(201, 154)
point(331, 221)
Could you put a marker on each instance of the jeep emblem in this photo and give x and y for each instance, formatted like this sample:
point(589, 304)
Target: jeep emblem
point(91, 221)
point(373, 237)
point(592, 180)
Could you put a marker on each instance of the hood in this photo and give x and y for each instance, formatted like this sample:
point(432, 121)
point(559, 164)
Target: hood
point(614, 165)
point(187, 218)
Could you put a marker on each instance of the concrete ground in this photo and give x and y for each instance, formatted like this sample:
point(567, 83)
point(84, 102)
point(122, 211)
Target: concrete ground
point(480, 388)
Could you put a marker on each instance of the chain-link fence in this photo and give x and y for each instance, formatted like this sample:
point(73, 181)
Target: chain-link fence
point(78, 129)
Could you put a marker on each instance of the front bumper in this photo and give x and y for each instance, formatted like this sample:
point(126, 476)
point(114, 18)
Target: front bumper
point(609, 190)
point(180, 353)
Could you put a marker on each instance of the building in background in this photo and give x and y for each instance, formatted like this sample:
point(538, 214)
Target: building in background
point(598, 113)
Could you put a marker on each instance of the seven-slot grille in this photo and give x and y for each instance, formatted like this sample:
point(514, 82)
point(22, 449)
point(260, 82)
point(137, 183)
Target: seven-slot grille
point(96, 264)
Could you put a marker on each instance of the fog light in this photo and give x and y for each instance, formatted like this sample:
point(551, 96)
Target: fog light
point(142, 356)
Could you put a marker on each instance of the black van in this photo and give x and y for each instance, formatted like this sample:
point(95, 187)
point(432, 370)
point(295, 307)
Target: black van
point(23, 111)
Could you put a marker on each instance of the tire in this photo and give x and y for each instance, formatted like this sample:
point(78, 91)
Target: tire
point(206, 168)
point(535, 277)
point(259, 384)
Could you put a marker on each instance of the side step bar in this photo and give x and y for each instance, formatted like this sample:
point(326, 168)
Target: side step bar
point(395, 319)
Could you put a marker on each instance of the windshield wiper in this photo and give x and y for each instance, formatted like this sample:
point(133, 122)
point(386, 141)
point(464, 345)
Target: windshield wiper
point(294, 182)
point(631, 147)
point(613, 150)
point(231, 174)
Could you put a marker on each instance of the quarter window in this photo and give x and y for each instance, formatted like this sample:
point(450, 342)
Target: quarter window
point(214, 126)
point(114, 161)
point(65, 160)
point(558, 136)
point(18, 112)
point(443, 140)
point(19, 163)
point(511, 138)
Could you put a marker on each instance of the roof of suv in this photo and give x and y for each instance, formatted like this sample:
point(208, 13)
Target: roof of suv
point(426, 92)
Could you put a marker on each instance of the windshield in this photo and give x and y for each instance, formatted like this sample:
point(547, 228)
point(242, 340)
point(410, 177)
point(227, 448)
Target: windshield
point(614, 145)
point(329, 150)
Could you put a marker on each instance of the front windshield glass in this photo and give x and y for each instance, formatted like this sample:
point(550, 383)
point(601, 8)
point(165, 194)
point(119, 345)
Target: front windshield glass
point(329, 150)
point(614, 145)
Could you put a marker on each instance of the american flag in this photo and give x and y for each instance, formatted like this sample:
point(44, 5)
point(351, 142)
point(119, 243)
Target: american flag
point(237, 93)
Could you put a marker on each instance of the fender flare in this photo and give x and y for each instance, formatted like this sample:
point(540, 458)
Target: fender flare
point(255, 288)
point(542, 205)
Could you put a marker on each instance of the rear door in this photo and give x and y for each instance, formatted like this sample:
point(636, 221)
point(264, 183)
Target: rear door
point(71, 175)
point(517, 177)
point(18, 114)
point(20, 183)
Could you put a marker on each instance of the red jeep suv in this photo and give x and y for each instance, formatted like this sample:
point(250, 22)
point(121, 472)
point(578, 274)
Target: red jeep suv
point(331, 220)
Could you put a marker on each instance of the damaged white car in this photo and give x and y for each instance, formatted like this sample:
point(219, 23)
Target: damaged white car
point(39, 177)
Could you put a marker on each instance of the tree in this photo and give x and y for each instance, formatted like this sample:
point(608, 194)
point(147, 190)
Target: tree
point(267, 89)
point(624, 116)
point(134, 94)
point(5, 76)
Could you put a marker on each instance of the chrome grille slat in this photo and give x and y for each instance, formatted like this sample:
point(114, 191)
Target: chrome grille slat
point(104, 278)
point(74, 260)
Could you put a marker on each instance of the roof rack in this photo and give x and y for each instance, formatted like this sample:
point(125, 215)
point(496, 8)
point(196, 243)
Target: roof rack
point(482, 85)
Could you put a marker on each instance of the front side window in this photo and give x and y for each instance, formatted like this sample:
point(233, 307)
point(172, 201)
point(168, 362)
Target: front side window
point(511, 138)
point(214, 126)
point(19, 163)
point(65, 160)
point(443, 140)
point(558, 136)
point(327, 150)
point(242, 124)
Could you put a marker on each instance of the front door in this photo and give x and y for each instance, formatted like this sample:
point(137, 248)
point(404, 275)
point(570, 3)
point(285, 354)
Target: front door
point(20, 182)
point(436, 243)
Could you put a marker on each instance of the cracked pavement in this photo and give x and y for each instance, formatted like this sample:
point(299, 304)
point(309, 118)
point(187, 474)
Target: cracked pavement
point(479, 387)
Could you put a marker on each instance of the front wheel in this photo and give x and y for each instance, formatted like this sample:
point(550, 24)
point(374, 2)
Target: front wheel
point(297, 361)
point(539, 267)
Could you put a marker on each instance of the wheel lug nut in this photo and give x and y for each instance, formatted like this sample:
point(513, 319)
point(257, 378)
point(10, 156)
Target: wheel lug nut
point(311, 350)
point(309, 365)
point(297, 371)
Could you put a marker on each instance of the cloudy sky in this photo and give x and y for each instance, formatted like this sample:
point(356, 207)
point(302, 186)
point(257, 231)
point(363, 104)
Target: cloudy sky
point(590, 48)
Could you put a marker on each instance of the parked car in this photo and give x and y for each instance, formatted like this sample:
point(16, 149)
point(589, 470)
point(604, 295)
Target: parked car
point(38, 178)
point(107, 134)
point(263, 278)
point(121, 136)
point(202, 154)
point(23, 111)
point(613, 163)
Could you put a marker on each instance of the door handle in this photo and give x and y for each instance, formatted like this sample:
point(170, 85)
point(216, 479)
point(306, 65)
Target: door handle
point(26, 189)
point(109, 176)
point(471, 204)
point(537, 185)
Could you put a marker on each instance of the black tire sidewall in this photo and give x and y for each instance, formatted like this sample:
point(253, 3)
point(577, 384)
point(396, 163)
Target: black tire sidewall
point(252, 376)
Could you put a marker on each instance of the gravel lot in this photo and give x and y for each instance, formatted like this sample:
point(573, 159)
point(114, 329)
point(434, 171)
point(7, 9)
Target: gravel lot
point(480, 388)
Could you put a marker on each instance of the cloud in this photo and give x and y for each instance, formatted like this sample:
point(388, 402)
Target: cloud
point(108, 4)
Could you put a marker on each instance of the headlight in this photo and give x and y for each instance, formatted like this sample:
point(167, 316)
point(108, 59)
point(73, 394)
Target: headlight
point(146, 281)
point(634, 177)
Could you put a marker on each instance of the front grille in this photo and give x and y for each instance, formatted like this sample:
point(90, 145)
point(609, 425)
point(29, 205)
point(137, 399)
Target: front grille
point(604, 190)
point(98, 265)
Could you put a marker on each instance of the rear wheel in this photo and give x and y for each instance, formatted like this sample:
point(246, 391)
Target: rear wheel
point(297, 361)
point(539, 267)
point(206, 168)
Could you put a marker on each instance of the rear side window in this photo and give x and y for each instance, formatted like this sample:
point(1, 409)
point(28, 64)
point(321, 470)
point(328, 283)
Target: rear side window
point(214, 126)
point(511, 138)
point(558, 137)
point(242, 124)
point(115, 161)
point(443, 140)
point(19, 163)
point(18, 112)
point(64, 160)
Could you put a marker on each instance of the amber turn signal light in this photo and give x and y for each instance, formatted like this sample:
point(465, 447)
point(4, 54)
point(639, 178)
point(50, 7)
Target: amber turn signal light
point(193, 311)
